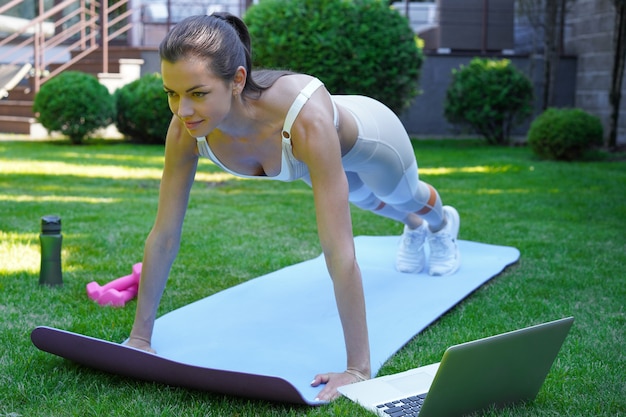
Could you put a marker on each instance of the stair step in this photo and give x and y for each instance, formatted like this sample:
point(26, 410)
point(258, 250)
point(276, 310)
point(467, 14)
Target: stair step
point(92, 62)
point(14, 124)
point(115, 54)
point(20, 93)
point(18, 108)
point(92, 67)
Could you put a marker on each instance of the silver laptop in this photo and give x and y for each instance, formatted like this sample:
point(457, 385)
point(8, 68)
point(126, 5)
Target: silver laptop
point(495, 371)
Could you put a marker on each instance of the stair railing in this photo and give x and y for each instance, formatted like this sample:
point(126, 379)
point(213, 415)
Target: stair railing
point(82, 31)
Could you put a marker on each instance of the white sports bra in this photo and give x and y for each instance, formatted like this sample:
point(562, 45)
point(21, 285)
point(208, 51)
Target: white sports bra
point(290, 169)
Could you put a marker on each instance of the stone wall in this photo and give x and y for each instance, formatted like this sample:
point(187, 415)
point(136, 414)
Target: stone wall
point(590, 37)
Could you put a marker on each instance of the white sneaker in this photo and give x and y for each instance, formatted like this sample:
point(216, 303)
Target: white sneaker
point(445, 258)
point(411, 257)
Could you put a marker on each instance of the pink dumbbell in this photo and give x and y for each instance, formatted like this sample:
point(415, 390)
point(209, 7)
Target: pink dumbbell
point(118, 291)
point(117, 298)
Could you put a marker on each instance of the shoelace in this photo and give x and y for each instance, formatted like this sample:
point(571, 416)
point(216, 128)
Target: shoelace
point(439, 244)
point(410, 238)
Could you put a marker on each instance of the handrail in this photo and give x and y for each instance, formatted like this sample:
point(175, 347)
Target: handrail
point(106, 11)
point(9, 5)
point(90, 32)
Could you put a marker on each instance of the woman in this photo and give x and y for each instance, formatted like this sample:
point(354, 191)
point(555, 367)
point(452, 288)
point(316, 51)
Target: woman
point(286, 126)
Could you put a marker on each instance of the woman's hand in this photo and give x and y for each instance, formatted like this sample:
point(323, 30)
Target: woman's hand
point(335, 380)
point(140, 344)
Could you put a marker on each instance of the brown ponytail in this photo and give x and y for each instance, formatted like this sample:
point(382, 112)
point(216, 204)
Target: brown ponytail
point(221, 39)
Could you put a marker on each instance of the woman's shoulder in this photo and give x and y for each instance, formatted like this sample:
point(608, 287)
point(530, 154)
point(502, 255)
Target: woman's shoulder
point(290, 84)
point(280, 96)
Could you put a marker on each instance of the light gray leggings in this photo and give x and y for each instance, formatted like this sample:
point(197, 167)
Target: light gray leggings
point(381, 166)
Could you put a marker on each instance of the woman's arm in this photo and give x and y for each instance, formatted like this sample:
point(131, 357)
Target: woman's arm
point(316, 143)
point(164, 239)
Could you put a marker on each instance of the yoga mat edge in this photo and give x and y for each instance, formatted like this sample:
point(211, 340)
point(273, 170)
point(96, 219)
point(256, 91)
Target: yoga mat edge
point(134, 363)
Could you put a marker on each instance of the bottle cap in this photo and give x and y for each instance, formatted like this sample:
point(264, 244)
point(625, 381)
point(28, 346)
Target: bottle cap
point(50, 225)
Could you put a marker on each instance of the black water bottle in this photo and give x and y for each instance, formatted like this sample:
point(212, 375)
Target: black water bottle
point(50, 239)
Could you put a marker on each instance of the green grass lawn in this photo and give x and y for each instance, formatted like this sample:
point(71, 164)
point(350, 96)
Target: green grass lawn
point(567, 219)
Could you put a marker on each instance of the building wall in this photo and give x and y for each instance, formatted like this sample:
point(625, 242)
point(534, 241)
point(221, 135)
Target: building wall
point(591, 24)
point(425, 116)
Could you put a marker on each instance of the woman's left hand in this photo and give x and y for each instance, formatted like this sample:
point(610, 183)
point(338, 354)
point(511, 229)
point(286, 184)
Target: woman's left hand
point(333, 381)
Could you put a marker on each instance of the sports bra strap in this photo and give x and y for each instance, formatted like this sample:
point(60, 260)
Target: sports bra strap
point(297, 105)
point(203, 147)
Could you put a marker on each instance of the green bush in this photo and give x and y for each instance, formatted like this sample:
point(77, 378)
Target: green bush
point(564, 134)
point(142, 110)
point(75, 104)
point(354, 46)
point(491, 96)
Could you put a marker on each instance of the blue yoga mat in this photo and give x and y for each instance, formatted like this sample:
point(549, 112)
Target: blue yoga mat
point(285, 324)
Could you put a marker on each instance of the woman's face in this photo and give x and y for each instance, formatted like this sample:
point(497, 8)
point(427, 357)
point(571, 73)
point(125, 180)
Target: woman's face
point(197, 96)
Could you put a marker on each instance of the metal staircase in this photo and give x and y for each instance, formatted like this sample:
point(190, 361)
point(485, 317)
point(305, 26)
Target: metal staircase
point(71, 34)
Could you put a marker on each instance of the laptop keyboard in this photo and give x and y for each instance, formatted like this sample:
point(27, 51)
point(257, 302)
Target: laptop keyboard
point(406, 407)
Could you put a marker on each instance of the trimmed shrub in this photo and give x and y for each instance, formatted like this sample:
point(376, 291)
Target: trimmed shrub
point(354, 46)
point(564, 134)
point(491, 96)
point(143, 113)
point(75, 104)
